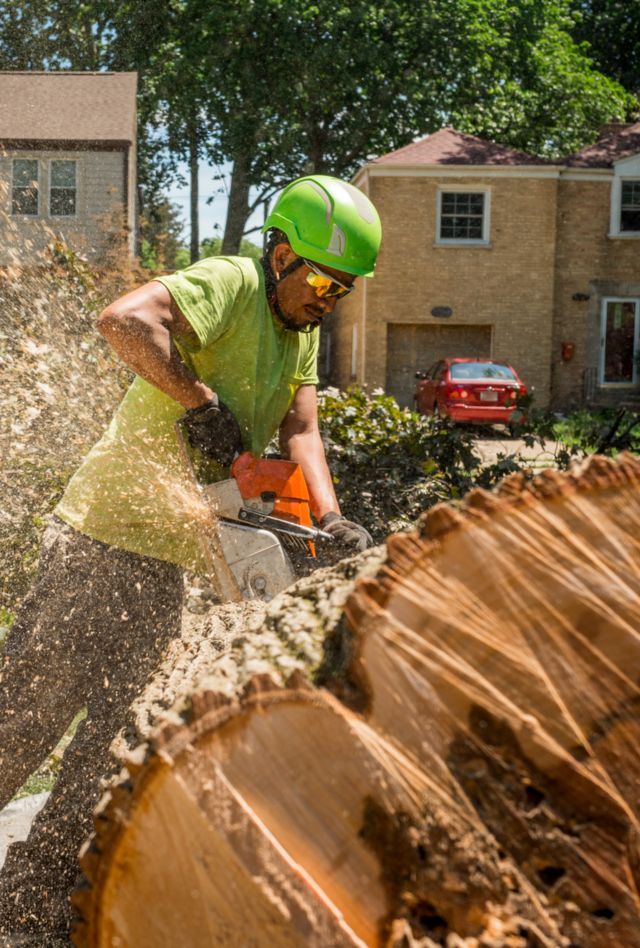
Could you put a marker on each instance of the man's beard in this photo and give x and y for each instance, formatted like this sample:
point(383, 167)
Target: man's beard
point(289, 322)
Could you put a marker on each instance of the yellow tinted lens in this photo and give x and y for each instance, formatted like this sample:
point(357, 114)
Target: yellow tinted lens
point(321, 284)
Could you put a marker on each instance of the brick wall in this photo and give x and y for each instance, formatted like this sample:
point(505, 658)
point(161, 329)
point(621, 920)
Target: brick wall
point(591, 263)
point(99, 208)
point(508, 285)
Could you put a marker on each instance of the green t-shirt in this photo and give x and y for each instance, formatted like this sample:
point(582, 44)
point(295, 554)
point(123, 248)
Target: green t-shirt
point(131, 491)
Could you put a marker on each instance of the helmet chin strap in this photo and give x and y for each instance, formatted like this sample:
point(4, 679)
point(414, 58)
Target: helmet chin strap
point(272, 293)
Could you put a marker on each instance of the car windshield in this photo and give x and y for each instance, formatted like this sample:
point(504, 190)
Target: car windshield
point(481, 370)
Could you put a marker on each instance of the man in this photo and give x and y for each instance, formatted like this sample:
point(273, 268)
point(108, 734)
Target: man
point(229, 345)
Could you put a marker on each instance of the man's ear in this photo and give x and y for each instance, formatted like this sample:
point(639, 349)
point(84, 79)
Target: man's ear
point(282, 256)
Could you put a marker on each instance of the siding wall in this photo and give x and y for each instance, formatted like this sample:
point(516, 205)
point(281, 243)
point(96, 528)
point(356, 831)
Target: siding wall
point(99, 205)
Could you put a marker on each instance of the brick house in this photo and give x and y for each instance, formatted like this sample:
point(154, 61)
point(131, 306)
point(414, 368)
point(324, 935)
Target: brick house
point(67, 161)
point(491, 252)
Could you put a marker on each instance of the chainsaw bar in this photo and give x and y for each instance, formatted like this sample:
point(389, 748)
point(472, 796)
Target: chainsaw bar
point(254, 518)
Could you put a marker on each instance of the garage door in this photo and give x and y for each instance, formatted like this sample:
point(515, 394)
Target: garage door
point(412, 348)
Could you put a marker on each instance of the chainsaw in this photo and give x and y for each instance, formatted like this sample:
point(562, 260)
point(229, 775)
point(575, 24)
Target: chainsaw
point(259, 515)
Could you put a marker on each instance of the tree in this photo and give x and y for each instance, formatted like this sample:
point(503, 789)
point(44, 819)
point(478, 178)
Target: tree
point(611, 28)
point(161, 230)
point(339, 84)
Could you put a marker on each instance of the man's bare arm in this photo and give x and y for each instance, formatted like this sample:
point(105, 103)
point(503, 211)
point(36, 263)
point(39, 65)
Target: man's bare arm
point(300, 441)
point(140, 327)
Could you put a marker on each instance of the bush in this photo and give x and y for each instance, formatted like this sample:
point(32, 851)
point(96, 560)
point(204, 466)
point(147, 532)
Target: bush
point(388, 463)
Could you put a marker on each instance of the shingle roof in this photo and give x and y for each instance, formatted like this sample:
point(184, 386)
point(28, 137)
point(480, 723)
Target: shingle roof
point(615, 142)
point(68, 106)
point(450, 147)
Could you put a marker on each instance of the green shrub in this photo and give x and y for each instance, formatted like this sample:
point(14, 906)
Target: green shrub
point(388, 463)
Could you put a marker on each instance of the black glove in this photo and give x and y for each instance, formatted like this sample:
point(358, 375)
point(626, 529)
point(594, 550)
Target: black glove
point(212, 429)
point(346, 531)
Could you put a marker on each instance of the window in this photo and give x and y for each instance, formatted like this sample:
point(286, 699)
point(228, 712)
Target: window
point(463, 217)
point(630, 207)
point(24, 191)
point(62, 188)
point(619, 341)
point(482, 370)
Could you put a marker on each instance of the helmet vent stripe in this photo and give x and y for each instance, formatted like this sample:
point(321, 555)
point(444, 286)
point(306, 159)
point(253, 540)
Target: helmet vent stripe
point(325, 197)
point(338, 242)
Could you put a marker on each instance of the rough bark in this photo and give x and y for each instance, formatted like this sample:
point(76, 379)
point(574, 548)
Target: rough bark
point(194, 196)
point(238, 206)
point(437, 748)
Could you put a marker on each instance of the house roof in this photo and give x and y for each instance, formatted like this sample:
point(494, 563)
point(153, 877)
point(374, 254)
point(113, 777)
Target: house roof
point(68, 106)
point(616, 141)
point(450, 147)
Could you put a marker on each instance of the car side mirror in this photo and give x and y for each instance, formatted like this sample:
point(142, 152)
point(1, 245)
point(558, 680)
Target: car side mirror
point(421, 375)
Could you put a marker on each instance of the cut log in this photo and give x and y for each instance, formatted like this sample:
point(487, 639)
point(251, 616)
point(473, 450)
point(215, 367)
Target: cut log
point(439, 746)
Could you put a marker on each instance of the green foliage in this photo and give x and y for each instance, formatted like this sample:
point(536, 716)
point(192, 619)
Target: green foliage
point(161, 235)
point(336, 83)
point(388, 463)
point(611, 31)
point(212, 247)
point(605, 431)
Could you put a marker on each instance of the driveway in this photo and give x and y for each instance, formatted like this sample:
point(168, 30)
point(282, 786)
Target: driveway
point(491, 446)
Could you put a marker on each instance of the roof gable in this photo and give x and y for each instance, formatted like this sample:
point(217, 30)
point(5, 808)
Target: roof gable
point(68, 106)
point(450, 147)
point(615, 143)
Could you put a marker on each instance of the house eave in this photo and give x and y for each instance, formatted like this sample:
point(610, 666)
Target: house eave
point(60, 144)
point(458, 171)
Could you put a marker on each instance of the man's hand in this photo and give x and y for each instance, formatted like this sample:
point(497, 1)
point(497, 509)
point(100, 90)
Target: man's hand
point(212, 429)
point(345, 531)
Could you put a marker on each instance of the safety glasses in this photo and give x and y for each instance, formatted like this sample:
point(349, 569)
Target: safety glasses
point(324, 285)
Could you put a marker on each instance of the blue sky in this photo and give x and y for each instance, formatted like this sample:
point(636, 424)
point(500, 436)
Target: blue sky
point(210, 214)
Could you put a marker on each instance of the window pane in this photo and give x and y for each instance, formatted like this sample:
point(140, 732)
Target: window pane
point(25, 173)
point(630, 206)
point(619, 338)
point(24, 194)
point(448, 203)
point(631, 193)
point(24, 201)
point(63, 174)
point(630, 220)
point(461, 215)
point(481, 370)
point(62, 202)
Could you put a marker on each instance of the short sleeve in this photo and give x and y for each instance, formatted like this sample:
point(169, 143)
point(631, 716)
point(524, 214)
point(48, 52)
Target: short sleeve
point(307, 373)
point(207, 294)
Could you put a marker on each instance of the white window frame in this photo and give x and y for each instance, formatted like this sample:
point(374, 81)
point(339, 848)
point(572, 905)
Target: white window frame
point(603, 341)
point(51, 188)
point(37, 213)
point(628, 169)
point(483, 241)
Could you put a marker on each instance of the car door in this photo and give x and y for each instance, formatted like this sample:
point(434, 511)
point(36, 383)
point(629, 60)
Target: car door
point(424, 389)
point(435, 377)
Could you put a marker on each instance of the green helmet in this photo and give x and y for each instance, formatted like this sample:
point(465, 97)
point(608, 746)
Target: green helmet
point(330, 222)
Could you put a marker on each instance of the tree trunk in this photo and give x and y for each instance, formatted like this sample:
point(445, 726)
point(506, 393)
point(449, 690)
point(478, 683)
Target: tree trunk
point(238, 206)
point(194, 194)
point(420, 747)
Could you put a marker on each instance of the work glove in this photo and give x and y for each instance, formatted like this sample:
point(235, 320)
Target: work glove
point(346, 532)
point(213, 430)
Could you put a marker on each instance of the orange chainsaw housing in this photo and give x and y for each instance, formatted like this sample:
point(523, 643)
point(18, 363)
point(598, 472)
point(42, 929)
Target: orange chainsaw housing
point(256, 476)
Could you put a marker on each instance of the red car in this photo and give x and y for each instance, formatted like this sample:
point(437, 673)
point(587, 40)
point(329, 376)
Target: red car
point(469, 390)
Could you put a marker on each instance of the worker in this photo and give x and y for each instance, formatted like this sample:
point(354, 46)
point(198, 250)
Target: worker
point(230, 346)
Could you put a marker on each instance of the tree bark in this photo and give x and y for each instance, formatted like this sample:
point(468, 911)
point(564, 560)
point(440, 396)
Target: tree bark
point(417, 747)
point(194, 194)
point(238, 206)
